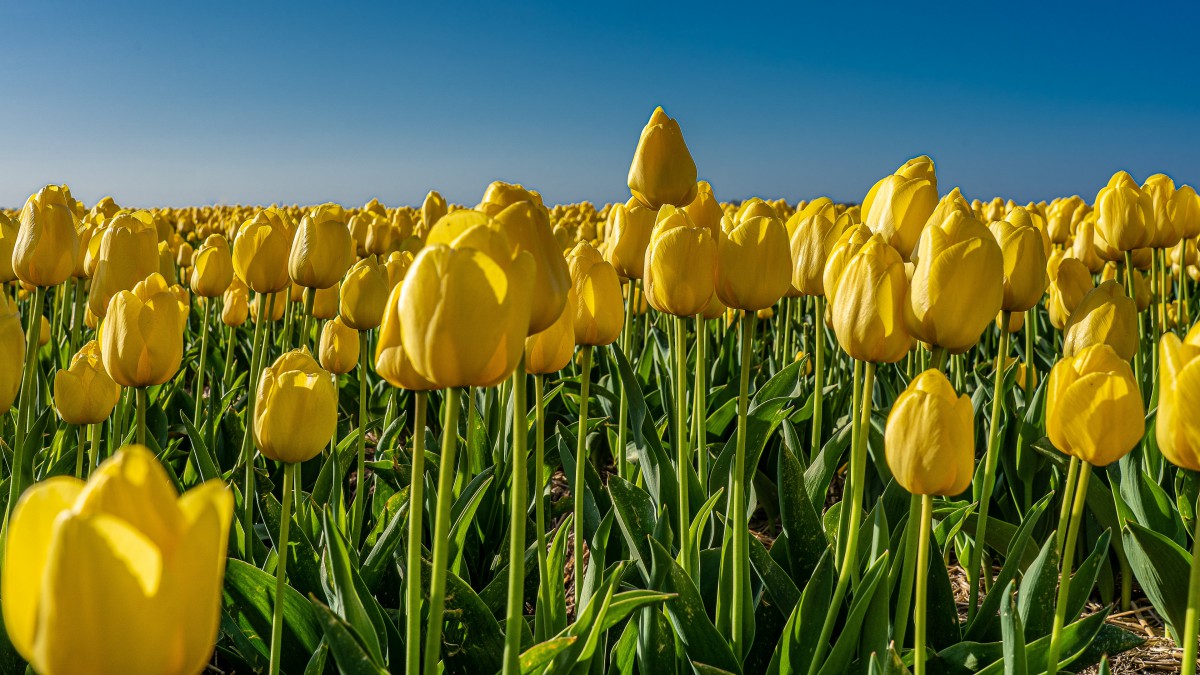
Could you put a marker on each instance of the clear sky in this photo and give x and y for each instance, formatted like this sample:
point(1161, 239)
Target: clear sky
point(166, 103)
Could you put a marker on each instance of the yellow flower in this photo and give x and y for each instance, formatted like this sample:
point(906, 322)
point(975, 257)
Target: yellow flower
point(128, 253)
point(681, 264)
point(432, 210)
point(526, 225)
point(141, 339)
point(705, 211)
point(8, 240)
point(629, 236)
point(550, 350)
point(898, 207)
point(397, 266)
point(325, 302)
point(364, 294)
point(845, 248)
point(12, 351)
point(662, 171)
point(929, 440)
point(1184, 212)
point(1120, 216)
point(213, 269)
point(599, 306)
point(1159, 192)
point(1025, 277)
point(1104, 316)
point(260, 253)
point(119, 575)
point(814, 231)
point(869, 304)
point(295, 408)
point(236, 307)
point(1177, 428)
point(48, 240)
point(85, 393)
point(1070, 283)
point(754, 264)
point(322, 250)
point(262, 304)
point(391, 360)
point(1093, 408)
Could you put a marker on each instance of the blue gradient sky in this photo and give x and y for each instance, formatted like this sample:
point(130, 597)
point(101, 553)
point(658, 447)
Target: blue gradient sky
point(160, 103)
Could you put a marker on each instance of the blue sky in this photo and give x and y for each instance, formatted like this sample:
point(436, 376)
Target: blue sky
point(166, 104)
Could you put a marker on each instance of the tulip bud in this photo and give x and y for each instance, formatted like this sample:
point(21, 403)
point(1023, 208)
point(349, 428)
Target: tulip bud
point(339, 347)
point(1159, 193)
point(898, 207)
point(213, 269)
point(754, 264)
point(47, 241)
point(432, 210)
point(814, 231)
point(261, 252)
point(1120, 216)
point(392, 361)
point(8, 240)
point(662, 171)
point(326, 301)
point(705, 211)
point(599, 310)
point(322, 250)
point(85, 393)
point(128, 253)
point(1184, 212)
point(958, 284)
point(12, 351)
point(1093, 408)
point(120, 575)
point(929, 440)
point(295, 408)
point(1025, 277)
point(1070, 285)
point(680, 264)
point(236, 306)
point(550, 350)
point(364, 295)
point(1177, 428)
point(869, 304)
point(632, 225)
point(141, 339)
point(1104, 316)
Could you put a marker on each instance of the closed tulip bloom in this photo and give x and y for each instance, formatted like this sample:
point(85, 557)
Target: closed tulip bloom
point(447, 296)
point(128, 253)
point(814, 230)
point(8, 240)
point(599, 306)
point(235, 306)
point(1184, 212)
point(260, 254)
point(1159, 192)
point(526, 224)
point(662, 171)
point(550, 350)
point(391, 359)
point(322, 250)
point(1016, 321)
point(325, 302)
point(141, 339)
point(869, 304)
point(929, 440)
point(432, 210)
point(213, 269)
point(1177, 428)
point(753, 208)
point(1104, 316)
point(1025, 277)
point(958, 284)
point(12, 351)
point(705, 211)
point(1083, 248)
point(1071, 283)
point(1093, 408)
point(381, 237)
point(1120, 218)
point(47, 239)
point(632, 225)
point(1141, 286)
point(119, 575)
point(846, 247)
point(295, 408)
point(339, 347)
point(364, 295)
point(397, 266)
point(714, 309)
point(1020, 216)
point(898, 210)
point(86, 232)
point(681, 265)
point(1059, 219)
point(85, 393)
point(166, 262)
point(754, 264)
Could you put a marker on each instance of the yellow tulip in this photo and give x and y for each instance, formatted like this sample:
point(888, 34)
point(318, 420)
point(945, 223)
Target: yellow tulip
point(8, 240)
point(662, 171)
point(322, 250)
point(339, 347)
point(1177, 428)
point(898, 207)
point(392, 361)
point(958, 284)
point(236, 306)
point(85, 393)
point(325, 302)
point(1025, 277)
point(1184, 212)
point(1104, 316)
point(1093, 408)
point(753, 208)
point(447, 296)
point(1070, 283)
point(12, 351)
point(1083, 248)
point(754, 264)
point(1120, 216)
point(364, 294)
point(550, 350)
point(929, 440)
point(260, 253)
point(1159, 192)
point(1059, 219)
point(869, 304)
point(262, 303)
point(845, 248)
point(381, 237)
point(166, 262)
point(119, 575)
point(681, 264)
point(47, 240)
point(599, 307)
point(128, 253)
point(1141, 286)
point(141, 338)
point(295, 408)
point(632, 224)
point(705, 211)
point(813, 233)
point(397, 266)
point(526, 224)
point(213, 269)
point(432, 210)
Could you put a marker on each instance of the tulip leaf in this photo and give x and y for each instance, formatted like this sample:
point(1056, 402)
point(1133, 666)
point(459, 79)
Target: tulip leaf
point(472, 639)
point(349, 654)
point(1160, 565)
point(636, 519)
point(795, 649)
point(1038, 591)
point(304, 565)
point(805, 537)
point(699, 637)
point(339, 578)
point(1012, 630)
point(535, 659)
point(550, 613)
point(247, 601)
point(848, 636)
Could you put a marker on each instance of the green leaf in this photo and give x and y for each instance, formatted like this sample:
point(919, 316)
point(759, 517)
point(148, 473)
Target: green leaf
point(635, 518)
point(343, 594)
point(700, 638)
point(1013, 631)
point(795, 651)
point(847, 639)
point(247, 600)
point(805, 537)
point(1160, 566)
point(1036, 598)
point(349, 654)
point(535, 658)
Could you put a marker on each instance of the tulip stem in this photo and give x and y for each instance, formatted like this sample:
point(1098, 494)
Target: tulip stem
point(922, 584)
point(1131, 291)
point(94, 455)
point(360, 486)
point(700, 400)
point(208, 302)
point(975, 569)
point(1064, 583)
point(1193, 604)
point(578, 488)
point(911, 533)
point(818, 373)
point(28, 393)
point(682, 457)
point(737, 517)
point(539, 509)
point(441, 533)
point(416, 528)
point(1064, 513)
point(519, 510)
point(310, 298)
point(140, 393)
point(80, 446)
point(248, 442)
point(281, 555)
point(77, 316)
point(623, 411)
point(858, 470)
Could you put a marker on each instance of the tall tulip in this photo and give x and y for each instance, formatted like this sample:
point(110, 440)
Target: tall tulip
point(1104, 316)
point(632, 225)
point(680, 264)
point(12, 351)
point(898, 207)
point(662, 171)
point(47, 241)
point(320, 254)
point(8, 241)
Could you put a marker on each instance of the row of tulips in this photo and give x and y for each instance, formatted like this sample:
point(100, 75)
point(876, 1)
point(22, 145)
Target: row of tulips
point(711, 367)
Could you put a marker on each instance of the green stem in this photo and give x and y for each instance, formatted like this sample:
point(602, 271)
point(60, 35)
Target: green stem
point(360, 491)
point(682, 456)
point(1064, 584)
point(911, 533)
point(441, 534)
point(33, 324)
point(737, 497)
point(229, 355)
point(140, 392)
point(539, 509)
point(77, 315)
point(416, 512)
point(1064, 513)
point(1193, 606)
point(80, 446)
point(623, 413)
point(818, 374)
point(1131, 291)
point(578, 487)
point(922, 583)
point(248, 487)
point(310, 298)
point(975, 569)
point(519, 509)
point(203, 357)
point(281, 555)
point(94, 455)
point(700, 400)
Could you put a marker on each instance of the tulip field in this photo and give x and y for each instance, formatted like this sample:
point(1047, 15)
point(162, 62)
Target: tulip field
point(923, 433)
